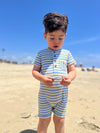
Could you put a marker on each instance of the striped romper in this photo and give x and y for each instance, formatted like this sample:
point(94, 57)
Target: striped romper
point(53, 99)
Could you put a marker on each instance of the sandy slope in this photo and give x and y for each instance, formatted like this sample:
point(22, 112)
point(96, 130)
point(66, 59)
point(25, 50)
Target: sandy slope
point(19, 102)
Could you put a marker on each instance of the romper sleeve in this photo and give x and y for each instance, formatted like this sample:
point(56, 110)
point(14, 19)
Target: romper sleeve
point(70, 59)
point(37, 60)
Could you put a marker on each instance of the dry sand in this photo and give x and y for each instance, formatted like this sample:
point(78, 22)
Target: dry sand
point(19, 102)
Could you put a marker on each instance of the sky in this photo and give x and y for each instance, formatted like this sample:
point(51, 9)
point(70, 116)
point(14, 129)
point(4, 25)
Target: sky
point(21, 29)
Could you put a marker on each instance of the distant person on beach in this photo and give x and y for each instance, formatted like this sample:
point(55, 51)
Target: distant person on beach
point(92, 69)
point(54, 67)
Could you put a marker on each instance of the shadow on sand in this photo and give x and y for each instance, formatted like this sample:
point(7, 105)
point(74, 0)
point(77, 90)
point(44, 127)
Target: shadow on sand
point(28, 131)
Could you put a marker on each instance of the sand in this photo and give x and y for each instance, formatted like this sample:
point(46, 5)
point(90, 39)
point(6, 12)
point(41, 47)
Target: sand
point(19, 101)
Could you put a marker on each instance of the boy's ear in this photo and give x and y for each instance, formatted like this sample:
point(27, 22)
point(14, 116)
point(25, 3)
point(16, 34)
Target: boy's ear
point(65, 34)
point(45, 36)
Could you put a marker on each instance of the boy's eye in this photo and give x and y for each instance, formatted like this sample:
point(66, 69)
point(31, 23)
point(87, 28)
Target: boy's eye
point(60, 38)
point(51, 38)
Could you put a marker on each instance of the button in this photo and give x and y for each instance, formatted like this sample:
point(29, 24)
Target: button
point(55, 65)
point(54, 55)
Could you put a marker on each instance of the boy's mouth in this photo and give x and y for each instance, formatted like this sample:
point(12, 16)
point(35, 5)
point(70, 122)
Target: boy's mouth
point(55, 46)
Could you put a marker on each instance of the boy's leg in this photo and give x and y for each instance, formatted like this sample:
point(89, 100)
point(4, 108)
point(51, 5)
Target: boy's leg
point(43, 125)
point(59, 124)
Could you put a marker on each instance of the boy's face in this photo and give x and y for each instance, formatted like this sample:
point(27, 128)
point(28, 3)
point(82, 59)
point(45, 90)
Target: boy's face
point(55, 39)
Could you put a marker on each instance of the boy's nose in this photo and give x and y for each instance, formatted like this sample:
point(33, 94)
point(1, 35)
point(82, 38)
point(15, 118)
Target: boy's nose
point(56, 40)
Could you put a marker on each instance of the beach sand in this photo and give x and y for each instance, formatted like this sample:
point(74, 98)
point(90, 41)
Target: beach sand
point(19, 101)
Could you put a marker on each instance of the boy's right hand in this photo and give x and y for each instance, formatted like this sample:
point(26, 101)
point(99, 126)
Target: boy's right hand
point(47, 80)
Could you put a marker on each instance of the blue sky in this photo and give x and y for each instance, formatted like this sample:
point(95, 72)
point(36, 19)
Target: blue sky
point(21, 28)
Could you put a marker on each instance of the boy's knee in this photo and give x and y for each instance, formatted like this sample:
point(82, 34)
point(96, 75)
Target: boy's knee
point(58, 120)
point(44, 121)
point(43, 124)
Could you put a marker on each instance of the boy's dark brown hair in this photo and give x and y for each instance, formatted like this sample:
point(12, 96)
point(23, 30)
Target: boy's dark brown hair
point(55, 21)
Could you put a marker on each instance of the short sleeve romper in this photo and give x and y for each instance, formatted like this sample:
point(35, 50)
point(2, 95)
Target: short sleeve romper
point(54, 64)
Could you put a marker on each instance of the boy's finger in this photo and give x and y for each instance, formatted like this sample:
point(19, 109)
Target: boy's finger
point(62, 81)
point(64, 77)
point(50, 78)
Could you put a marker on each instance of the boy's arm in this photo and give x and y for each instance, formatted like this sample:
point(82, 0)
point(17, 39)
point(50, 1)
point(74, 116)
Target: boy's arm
point(36, 72)
point(71, 75)
point(71, 71)
point(47, 80)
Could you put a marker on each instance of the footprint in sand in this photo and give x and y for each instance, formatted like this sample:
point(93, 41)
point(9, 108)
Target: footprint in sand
point(91, 126)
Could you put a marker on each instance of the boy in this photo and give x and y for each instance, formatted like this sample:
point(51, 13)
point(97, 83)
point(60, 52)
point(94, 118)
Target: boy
point(54, 68)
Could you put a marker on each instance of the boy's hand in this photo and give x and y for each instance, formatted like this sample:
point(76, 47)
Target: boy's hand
point(47, 80)
point(65, 81)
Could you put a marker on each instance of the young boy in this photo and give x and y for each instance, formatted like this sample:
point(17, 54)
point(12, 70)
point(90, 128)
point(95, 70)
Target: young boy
point(54, 68)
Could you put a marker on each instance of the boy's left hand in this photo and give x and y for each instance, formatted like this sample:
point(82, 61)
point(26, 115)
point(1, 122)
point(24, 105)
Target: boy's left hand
point(65, 81)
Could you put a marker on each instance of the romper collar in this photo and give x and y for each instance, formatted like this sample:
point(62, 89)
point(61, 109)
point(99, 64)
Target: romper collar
point(54, 50)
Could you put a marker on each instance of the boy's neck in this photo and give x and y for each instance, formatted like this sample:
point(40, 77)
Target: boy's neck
point(53, 49)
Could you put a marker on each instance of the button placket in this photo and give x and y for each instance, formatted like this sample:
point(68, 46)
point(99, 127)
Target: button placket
point(54, 60)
